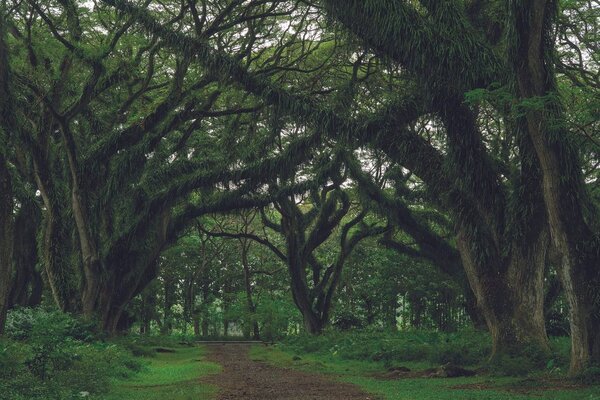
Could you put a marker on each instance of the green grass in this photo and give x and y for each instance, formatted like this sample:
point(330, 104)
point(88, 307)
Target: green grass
point(473, 388)
point(173, 376)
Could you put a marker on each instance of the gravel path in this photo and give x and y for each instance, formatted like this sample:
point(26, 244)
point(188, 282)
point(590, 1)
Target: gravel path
point(245, 379)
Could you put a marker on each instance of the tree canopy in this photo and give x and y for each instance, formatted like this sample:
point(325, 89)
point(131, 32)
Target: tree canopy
point(149, 148)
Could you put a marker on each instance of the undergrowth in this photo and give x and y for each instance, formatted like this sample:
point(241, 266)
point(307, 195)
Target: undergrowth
point(52, 356)
point(467, 348)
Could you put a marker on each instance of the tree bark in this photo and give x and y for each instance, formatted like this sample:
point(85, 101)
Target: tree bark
point(6, 236)
point(511, 297)
point(312, 321)
point(6, 187)
point(25, 287)
point(391, 312)
point(91, 263)
point(148, 311)
point(565, 196)
point(168, 301)
point(196, 325)
point(248, 287)
point(205, 327)
point(55, 245)
point(130, 269)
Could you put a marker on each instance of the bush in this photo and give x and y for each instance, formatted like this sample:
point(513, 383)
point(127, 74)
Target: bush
point(33, 323)
point(53, 356)
point(461, 348)
point(509, 365)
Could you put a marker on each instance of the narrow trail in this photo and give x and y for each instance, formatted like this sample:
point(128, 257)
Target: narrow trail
point(245, 379)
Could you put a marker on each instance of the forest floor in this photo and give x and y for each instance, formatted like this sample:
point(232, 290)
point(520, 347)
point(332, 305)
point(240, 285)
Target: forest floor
point(169, 375)
point(245, 378)
point(251, 372)
point(372, 378)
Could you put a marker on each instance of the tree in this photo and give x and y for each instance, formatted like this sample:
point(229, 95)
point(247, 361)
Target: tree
point(107, 140)
point(7, 127)
point(304, 228)
point(493, 218)
point(572, 215)
point(191, 108)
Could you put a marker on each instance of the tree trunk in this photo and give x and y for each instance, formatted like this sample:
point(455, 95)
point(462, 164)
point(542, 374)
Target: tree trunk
point(196, 325)
point(312, 322)
point(255, 330)
point(110, 321)
point(391, 312)
point(205, 327)
point(248, 287)
point(91, 286)
point(148, 310)
point(129, 270)
point(6, 189)
point(226, 329)
point(113, 312)
point(117, 291)
point(565, 195)
point(89, 256)
point(511, 298)
point(55, 247)
point(6, 235)
point(188, 301)
point(37, 286)
point(25, 288)
point(168, 301)
point(474, 313)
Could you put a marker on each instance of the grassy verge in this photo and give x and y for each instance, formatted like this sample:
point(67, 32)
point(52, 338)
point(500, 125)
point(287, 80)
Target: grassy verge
point(362, 374)
point(173, 376)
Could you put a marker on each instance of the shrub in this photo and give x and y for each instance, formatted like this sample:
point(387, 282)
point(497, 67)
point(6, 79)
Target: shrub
point(34, 323)
point(509, 365)
point(462, 348)
point(53, 356)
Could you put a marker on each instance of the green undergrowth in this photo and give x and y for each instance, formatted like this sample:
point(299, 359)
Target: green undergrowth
point(173, 373)
point(429, 347)
point(369, 375)
point(50, 355)
point(467, 348)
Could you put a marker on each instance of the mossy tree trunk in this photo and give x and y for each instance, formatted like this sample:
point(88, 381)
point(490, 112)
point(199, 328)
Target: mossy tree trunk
point(6, 186)
point(567, 202)
point(122, 286)
point(245, 244)
point(6, 237)
point(510, 297)
point(500, 241)
point(55, 243)
point(26, 287)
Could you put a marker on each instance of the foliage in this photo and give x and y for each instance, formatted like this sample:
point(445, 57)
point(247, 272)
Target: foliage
point(366, 374)
point(436, 348)
point(168, 375)
point(430, 348)
point(51, 324)
point(412, 127)
point(50, 355)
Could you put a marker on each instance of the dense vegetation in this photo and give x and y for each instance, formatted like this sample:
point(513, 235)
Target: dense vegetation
point(401, 180)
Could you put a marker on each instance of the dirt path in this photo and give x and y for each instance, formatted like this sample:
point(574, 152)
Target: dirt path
point(244, 379)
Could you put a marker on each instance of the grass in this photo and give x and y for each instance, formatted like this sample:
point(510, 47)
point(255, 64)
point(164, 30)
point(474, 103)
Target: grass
point(480, 387)
point(173, 376)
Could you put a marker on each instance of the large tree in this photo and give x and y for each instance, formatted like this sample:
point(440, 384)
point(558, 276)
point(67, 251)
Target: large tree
point(504, 213)
point(7, 126)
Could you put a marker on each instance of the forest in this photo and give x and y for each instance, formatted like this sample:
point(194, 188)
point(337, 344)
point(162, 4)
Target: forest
point(299, 199)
